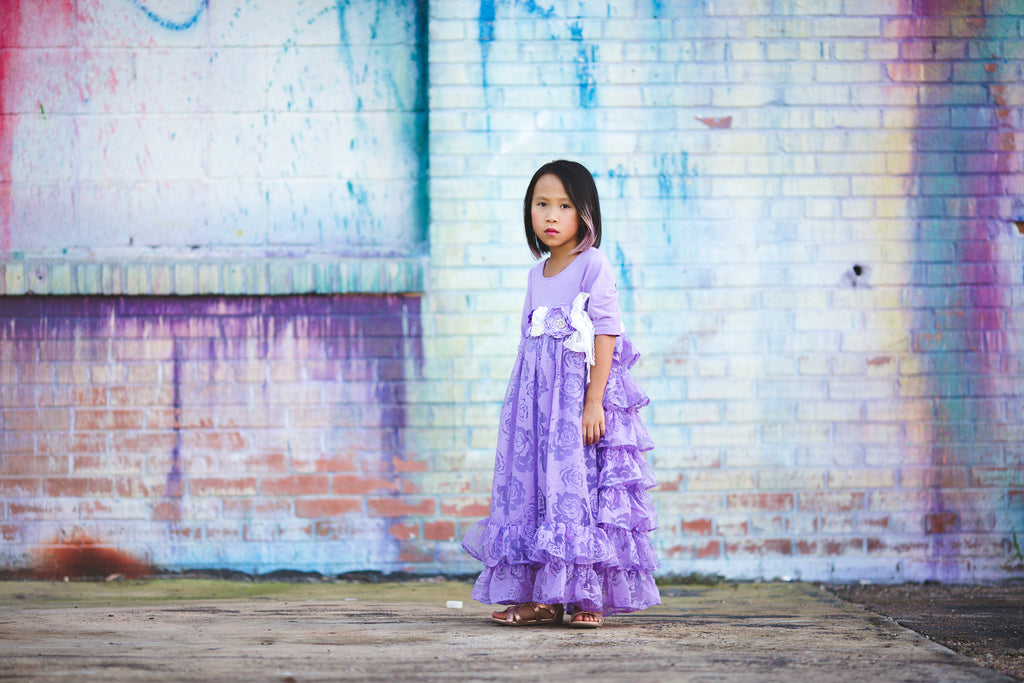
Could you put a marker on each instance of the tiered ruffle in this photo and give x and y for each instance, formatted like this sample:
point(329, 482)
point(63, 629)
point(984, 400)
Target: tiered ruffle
point(604, 563)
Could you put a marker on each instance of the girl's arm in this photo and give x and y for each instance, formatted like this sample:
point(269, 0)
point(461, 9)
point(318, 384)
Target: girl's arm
point(593, 404)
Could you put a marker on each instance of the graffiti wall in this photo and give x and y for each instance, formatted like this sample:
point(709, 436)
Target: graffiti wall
point(261, 270)
point(224, 134)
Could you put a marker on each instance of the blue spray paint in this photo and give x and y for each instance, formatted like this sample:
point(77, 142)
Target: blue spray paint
point(586, 55)
point(169, 24)
point(625, 284)
point(674, 176)
point(620, 174)
point(485, 36)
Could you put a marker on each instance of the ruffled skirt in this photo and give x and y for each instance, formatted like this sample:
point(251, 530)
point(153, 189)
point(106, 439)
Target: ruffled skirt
point(569, 523)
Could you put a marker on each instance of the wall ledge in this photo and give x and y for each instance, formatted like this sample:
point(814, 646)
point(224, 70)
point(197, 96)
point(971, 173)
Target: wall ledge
point(229, 273)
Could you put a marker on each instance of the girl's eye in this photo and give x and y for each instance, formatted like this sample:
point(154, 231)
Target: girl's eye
point(566, 206)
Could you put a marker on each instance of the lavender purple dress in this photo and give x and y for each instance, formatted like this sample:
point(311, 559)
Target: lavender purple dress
point(569, 523)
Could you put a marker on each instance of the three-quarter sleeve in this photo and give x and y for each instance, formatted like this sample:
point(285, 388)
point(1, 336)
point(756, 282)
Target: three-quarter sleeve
point(603, 307)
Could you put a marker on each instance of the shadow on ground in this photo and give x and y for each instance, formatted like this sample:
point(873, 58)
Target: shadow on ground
point(982, 622)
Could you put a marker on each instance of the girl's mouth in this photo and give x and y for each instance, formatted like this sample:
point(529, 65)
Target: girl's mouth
point(550, 231)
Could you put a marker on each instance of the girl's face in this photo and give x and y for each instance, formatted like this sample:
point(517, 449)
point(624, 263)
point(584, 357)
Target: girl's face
point(555, 220)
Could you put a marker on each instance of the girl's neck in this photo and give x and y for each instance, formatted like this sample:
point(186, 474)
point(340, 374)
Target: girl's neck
point(560, 259)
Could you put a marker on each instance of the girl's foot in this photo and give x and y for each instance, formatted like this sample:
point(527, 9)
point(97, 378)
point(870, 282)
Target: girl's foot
point(529, 614)
point(582, 619)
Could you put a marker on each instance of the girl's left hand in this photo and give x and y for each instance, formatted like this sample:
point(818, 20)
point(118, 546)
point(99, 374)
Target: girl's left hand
point(593, 422)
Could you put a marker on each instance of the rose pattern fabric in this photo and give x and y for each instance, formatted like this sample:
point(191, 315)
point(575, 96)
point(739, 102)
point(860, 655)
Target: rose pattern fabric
point(569, 523)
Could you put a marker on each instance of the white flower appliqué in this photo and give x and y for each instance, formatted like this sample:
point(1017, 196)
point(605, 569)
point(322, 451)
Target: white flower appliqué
point(582, 338)
point(537, 321)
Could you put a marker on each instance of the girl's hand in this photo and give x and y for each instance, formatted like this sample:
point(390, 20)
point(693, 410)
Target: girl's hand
point(593, 422)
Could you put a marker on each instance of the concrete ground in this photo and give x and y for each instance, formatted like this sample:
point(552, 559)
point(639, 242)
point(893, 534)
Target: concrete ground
point(179, 629)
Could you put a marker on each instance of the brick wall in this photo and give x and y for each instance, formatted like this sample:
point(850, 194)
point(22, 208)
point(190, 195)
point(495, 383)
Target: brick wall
point(810, 210)
point(254, 434)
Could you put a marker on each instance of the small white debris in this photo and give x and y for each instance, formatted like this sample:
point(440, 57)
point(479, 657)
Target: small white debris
point(454, 604)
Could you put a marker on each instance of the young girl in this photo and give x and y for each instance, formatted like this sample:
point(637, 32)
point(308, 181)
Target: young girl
point(570, 515)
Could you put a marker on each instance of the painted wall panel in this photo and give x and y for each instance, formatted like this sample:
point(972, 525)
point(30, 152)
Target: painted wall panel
point(270, 130)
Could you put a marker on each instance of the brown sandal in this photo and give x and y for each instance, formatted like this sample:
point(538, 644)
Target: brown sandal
point(529, 614)
point(597, 623)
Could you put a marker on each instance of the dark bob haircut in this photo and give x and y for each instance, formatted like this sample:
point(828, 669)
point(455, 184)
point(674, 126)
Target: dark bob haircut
point(579, 185)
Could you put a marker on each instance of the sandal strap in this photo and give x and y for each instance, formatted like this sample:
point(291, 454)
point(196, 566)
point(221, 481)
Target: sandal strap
point(538, 611)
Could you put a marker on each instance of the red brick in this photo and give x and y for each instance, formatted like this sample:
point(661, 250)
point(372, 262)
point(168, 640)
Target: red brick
point(296, 485)
point(333, 529)
point(710, 550)
point(10, 533)
point(55, 396)
point(90, 397)
point(53, 509)
point(691, 551)
point(886, 547)
point(185, 533)
point(222, 531)
point(731, 526)
point(38, 420)
point(215, 441)
point(91, 420)
point(266, 462)
point(306, 462)
point(326, 507)
point(879, 523)
point(140, 395)
point(101, 509)
point(699, 527)
point(166, 511)
point(401, 507)
point(830, 547)
point(20, 487)
point(92, 463)
point(941, 523)
point(1016, 499)
point(142, 442)
point(768, 546)
point(79, 486)
point(805, 547)
point(410, 551)
point(222, 486)
point(147, 487)
point(672, 484)
point(466, 507)
point(404, 532)
point(18, 465)
point(256, 507)
point(441, 530)
point(401, 465)
point(760, 501)
point(832, 501)
point(63, 444)
point(356, 484)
